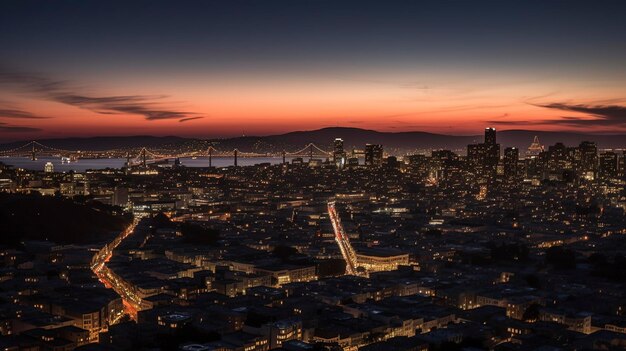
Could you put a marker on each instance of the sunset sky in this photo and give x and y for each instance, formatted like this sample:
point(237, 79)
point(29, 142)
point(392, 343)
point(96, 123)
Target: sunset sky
point(213, 69)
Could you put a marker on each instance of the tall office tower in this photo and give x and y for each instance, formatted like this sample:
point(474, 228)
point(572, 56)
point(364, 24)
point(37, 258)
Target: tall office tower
point(442, 164)
point(490, 136)
point(492, 152)
point(339, 155)
point(474, 155)
point(622, 164)
point(483, 158)
point(492, 157)
point(511, 159)
point(373, 154)
point(588, 164)
point(559, 162)
point(533, 167)
point(608, 167)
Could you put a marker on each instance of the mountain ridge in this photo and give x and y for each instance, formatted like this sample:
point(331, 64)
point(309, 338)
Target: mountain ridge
point(353, 138)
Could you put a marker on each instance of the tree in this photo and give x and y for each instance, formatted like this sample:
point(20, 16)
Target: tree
point(160, 220)
point(199, 235)
point(331, 267)
point(284, 252)
point(561, 258)
point(61, 220)
point(433, 233)
point(533, 281)
point(509, 252)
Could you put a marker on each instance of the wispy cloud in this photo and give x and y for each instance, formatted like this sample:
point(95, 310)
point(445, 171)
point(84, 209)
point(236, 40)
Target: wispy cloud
point(17, 129)
point(14, 113)
point(151, 107)
point(598, 115)
point(603, 115)
point(189, 119)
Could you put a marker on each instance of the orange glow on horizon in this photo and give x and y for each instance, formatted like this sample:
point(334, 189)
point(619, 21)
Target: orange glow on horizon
point(251, 108)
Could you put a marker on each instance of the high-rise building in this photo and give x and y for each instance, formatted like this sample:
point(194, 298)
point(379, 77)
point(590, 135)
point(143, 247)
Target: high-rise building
point(441, 164)
point(419, 164)
point(48, 167)
point(483, 158)
point(588, 164)
point(492, 150)
point(511, 159)
point(558, 162)
point(533, 167)
point(608, 165)
point(339, 155)
point(490, 136)
point(373, 155)
point(474, 155)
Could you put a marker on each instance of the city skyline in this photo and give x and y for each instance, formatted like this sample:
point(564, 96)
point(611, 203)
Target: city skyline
point(182, 247)
point(225, 69)
point(312, 175)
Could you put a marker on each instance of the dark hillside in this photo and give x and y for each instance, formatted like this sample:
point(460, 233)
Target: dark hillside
point(64, 221)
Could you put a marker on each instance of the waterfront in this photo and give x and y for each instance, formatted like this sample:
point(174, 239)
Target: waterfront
point(82, 165)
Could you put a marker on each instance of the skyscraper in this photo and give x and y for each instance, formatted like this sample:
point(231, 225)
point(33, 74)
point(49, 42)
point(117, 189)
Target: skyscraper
point(483, 158)
point(588, 165)
point(608, 167)
point(490, 136)
point(373, 154)
point(511, 159)
point(492, 157)
point(558, 162)
point(339, 155)
point(48, 167)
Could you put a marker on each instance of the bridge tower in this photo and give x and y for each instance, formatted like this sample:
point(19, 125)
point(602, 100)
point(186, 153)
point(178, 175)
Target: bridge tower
point(33, 154)
point(310, 152)
point(128, 163)
point(235, 153)
point(284, 156)
point(210, 156)
point(143, 157)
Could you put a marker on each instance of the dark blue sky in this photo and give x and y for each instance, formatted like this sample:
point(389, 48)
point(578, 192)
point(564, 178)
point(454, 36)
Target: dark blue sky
point(210, 34)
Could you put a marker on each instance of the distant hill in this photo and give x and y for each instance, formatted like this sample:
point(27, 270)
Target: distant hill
point(406, 141)
point(353, 138)
point(400, 142)
point(102, 143)
point(523, 138)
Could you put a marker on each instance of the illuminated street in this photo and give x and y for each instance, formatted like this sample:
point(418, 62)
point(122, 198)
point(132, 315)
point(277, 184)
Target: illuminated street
point(131, 303)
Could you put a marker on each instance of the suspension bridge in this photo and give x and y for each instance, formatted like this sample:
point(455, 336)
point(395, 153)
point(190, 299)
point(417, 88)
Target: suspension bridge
point(144, 156)
point(34, 149)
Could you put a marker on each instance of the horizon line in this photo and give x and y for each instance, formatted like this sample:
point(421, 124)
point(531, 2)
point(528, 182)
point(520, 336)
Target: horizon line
point(607, 133)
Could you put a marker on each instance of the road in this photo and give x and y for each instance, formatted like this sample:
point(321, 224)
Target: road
point(132, 303)
point(343, 241)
